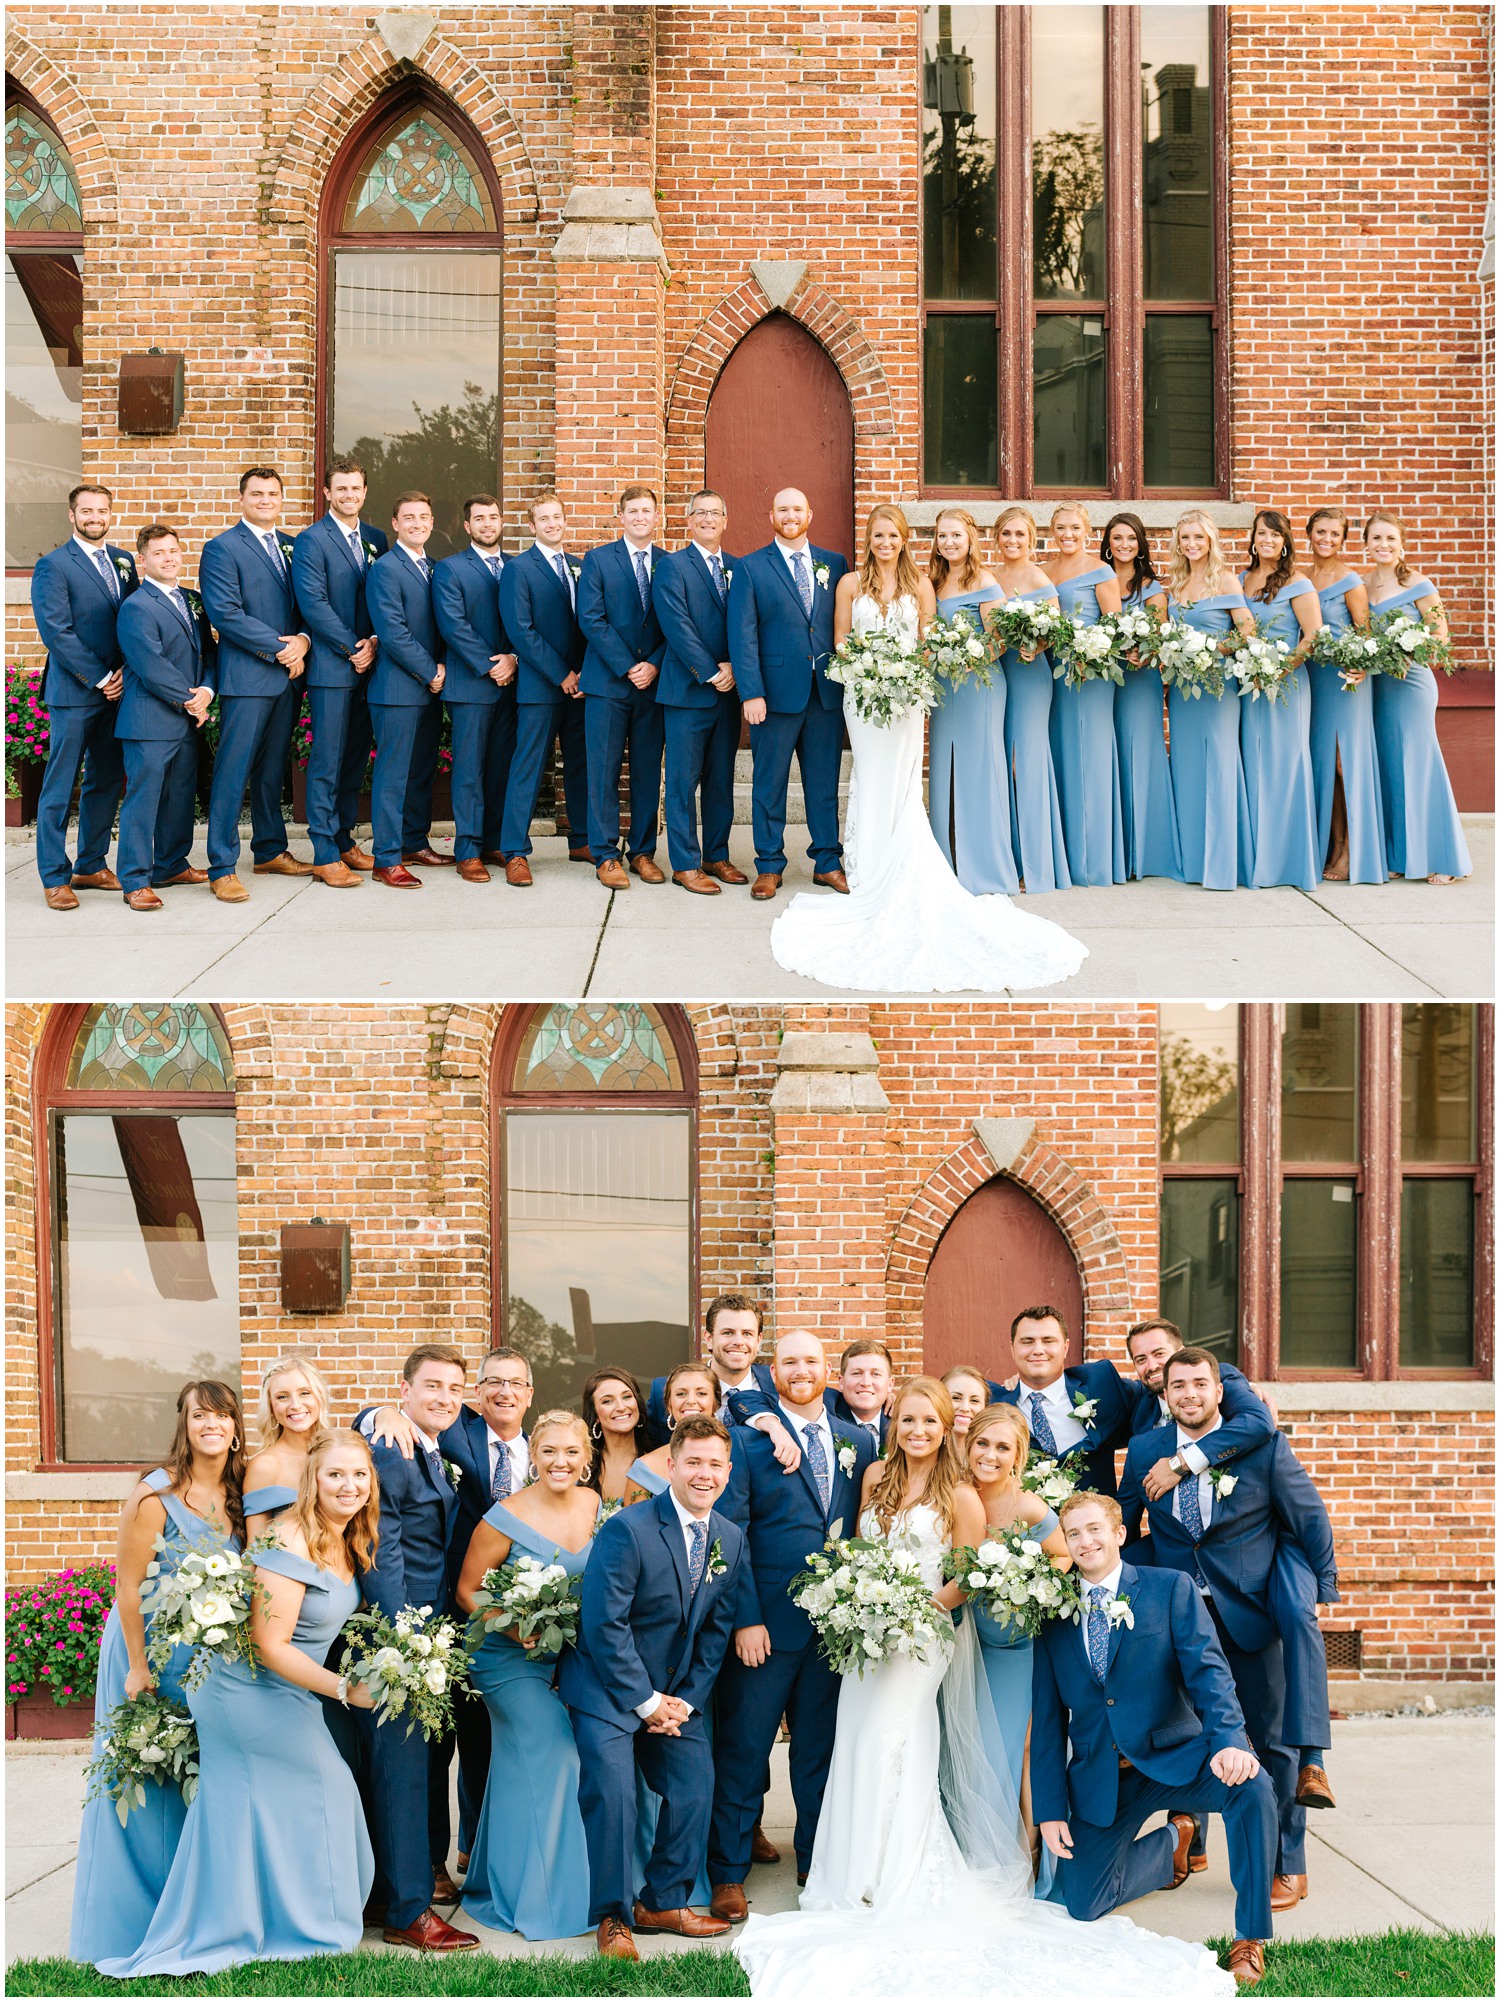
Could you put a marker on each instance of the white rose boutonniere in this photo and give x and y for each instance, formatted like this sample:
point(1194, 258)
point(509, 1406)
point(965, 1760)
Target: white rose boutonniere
point(846, 1460)
point(728, 575)
point(821, 573)
point(1085, 1409)
point(716, 1566)
point(122, 564)
point(1120, 1614)
point(455, 1474)
point(1221, 1482)
point(369, 548)
point(575, 571)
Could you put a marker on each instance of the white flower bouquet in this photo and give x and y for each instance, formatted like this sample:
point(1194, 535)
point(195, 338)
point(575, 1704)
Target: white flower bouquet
point(411, 1665)
point(1030, 625)
point(1012, 1579)
point(884, 675)
point(205, 1605)
point(1262, 666)
point(958, 649)
point(1407, 641)
point(1053, 1479)
point(147, 1739)
point(1190, 661)
point(530, 1601)
point(1093, 653)
point(1350, 650)
point(867, 1603)
point(1136, 634)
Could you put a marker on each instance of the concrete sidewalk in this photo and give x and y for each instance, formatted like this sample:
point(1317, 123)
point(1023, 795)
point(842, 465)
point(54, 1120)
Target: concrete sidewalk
point(567, 938)
point(1411, 1844)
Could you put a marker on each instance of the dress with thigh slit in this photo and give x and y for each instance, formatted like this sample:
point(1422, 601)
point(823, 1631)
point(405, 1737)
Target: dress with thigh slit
point(1148, 811)
point(1343, 750)
point(1208, 780)
point(1276, 759)
point(1085, 755)
point(968, 772)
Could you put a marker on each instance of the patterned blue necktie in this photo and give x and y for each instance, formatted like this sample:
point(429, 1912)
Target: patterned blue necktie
point(718, 566)
point(357, 548)
point(424, 566)
point(643, 579)
point(111, 581)
point(1042, 1434)
point(1098, 1633)
point(494, 565)
point(179, 605)
point(273, 550)
point(560, 564)
point(817, 1460)
point(503, 1478)
point(804, 580)
point(1188, 1507)
point(697, 1551)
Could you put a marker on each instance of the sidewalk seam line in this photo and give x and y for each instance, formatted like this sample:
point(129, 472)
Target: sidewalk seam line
point(1446, 1931)
point(66, 1864)
point(246, 936)
point(588, 978)
point(1390, 959)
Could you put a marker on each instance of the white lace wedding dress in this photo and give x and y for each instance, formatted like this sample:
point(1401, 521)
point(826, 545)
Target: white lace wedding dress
point(896, 1905)
point(908, 924)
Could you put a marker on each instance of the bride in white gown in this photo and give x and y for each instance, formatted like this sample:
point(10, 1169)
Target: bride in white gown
point(901, 1900)
point(907, 924)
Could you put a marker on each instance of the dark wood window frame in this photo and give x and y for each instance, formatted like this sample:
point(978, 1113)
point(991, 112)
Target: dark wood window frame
point(1377, 1175)
point(1014, 308)
point(51, 1098)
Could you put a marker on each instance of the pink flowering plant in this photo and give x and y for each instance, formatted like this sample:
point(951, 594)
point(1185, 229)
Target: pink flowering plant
point(26, 724)
point(52, 1634)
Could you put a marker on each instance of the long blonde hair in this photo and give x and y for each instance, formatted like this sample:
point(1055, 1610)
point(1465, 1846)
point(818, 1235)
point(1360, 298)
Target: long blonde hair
point(360, 1536)
point(947, 1470)
point(1179, 569)
point(270, 1427)
point(908, 577)
point(1017, 514)
point(938, 566)
point(1404, 572)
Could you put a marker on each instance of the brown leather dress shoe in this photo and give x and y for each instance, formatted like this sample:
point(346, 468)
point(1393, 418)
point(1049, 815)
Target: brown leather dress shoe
point(472, 870)
point(337, 875)
point(463, 1863)
point(229, 890)
point(356, 858)
point(444, 1890)
point(518, 871)
point(730, 1904)
point(612, 874)
point(695, 880)
point(613, 1941)
point(762, 1848)
point(430, 1934)
point(647, 869)
point(493, 855)
point(1186, 1826)
point(429, 858)
point(60, 898)
point(582, 855)
point(726, 872)
point(285, 864)
point(398, 878)
point(101, 879)
point(1313, 1789)
point(144, 900)
point(685, 1922)
point(1247, 1962)
point(765, 887)
point(1287, 1892)
point(182, 876)
point(833, 879)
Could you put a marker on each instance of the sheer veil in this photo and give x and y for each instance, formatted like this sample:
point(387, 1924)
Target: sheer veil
point(977, 1795)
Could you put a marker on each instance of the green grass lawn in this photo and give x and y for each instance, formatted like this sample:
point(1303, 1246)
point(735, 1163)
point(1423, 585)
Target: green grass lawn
point(1393, 1963)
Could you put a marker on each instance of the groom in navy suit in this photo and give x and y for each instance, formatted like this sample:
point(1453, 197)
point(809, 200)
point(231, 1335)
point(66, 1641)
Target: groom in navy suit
point(780, 640)
point(658, 1602)
point(1134, 1710)
point(776, 1669)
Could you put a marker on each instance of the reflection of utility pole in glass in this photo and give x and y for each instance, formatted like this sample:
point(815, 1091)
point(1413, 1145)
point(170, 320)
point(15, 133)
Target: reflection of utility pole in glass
point(948, 89)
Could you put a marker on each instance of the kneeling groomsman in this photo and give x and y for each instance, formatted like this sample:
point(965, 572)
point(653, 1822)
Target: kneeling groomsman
point(480, 688)
point(620, 670)
point(330, 562)
point(245, 576)
point(538, 594)
point(404, 689)
point(1133, 1710)
point(700, 708)
point(76, 594)
point(167, 646)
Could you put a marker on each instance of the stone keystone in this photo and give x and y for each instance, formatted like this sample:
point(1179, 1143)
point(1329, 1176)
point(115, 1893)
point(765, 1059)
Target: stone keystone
point(1004, 1140)
point(404, 30)
point(778, 280)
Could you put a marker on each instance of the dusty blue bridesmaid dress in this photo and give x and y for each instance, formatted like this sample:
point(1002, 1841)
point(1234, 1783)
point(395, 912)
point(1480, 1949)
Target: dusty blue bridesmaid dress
point(269, 1502)
point(1036, 828)
point(122, 1872)
point(1084, 753)
point(529, 1867)
point(1208, 783)
point(274, 1861)
point(1148, 810)
point(1343, 747)
point(1277, 761)
point(968, 771)
point(1423, 833)
point(1006, 1656)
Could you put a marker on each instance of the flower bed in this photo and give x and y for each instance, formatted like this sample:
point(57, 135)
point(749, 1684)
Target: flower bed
point(53, 1631)
point(26, 738)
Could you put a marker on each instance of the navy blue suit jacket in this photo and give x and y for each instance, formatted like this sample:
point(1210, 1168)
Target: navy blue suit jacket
point(466, 605)
point(417, 1506)
point(466, 1443)
point(252, 609)
point(783, 1518)
point(330, 589)
point(744, 1404)
point(778, 653)
point(656, 1402)
point(75, 616)
point(1167, 1701)
point(1109, 1427)
point(164, 661)
point(1273, 1496)
point(1247, 1420)
point(639, 1630)
point(617, 629)
point(694, 622)
point(544, 634)
point(411, 647)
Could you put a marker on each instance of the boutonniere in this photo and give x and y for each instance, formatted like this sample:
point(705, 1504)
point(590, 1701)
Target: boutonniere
point(575, 570)
point(728, 576)
point(193, 601)
point(455, 1474)
point(123, 565)
point(1221, 1481)
point(1085, 1409)
point(716, 1565)
point(846, 1460)
point(369, 548)
point(1120, 1614)
point(284, 544)
point(821, 573)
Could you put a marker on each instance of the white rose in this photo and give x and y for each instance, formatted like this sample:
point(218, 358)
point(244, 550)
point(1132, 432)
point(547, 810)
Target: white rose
point(217, 1566)
point(212, 1609)
point(215, 1637)
point(436, 1678)
point(152, 1755)
point(421, 1644)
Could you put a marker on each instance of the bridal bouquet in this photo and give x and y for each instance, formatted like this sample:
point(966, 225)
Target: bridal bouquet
point(411, 1665)
point(867, 1603)
point(1093, 653)
point(1030, 625)
point(884, 675)
point(1190, 661)
point(205, 1605)
point(958, 649)
point(1262, 666)
point(1406, 641)
point(1053, 1479)
point(146, 1738)
point(1012, 1579)
point(530, 1601)
point(1349, 650)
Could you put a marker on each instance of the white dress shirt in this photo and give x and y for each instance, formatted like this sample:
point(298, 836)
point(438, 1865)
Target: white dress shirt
point(488, 556)
point(520, 1459)
point(799, 1422)
point(1193, 1456)
point(1066, 1429)
point(1205, 1485)
point(352, 536)
point(746, 1382)
point(792, 549)
point(416, 558)
point(277, 556)
point(1111, 1584)
point(710, 556)
point(652, 1704)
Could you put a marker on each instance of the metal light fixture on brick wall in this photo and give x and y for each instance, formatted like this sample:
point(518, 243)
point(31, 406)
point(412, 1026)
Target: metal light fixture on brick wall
point(314, 1267)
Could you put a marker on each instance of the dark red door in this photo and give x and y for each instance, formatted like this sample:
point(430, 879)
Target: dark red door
point(779, 416)
point(1000, 1253)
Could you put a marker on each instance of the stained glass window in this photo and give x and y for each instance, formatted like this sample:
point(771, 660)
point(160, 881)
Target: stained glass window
point(150, 1046)
point(41, 188)
point(419, 179)
point(598, 1046)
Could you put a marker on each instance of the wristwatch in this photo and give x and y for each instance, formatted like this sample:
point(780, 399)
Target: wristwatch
point(1177, 1464)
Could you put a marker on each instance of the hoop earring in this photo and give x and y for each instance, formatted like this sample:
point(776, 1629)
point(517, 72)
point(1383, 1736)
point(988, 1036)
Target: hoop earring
point(596, 1432)
point(671, 1424)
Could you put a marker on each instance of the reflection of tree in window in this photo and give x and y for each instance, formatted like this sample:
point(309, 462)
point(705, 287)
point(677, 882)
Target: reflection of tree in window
point(1199, 1093)
point(447, 453)
point(1067, 213)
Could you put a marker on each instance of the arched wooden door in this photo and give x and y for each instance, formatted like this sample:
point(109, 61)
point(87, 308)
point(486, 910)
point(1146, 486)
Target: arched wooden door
point(1001, 1252)
point(780, 416)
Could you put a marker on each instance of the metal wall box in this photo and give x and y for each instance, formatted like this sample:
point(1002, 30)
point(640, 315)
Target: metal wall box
point(150, 393)
point(314, 1267)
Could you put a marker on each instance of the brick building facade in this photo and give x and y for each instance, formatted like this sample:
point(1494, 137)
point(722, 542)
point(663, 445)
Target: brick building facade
point(837, 1162)
point(666, 179)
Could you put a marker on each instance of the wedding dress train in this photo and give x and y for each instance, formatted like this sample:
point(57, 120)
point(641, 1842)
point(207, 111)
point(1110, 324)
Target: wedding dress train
point(908, 924)
point(899, 1904)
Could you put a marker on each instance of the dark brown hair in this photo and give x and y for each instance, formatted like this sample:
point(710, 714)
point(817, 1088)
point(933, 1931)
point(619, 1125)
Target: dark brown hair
point(733, 1303)
point(344, 464)
point(1149, 1327)
point(406, 499)
point(689, 1369)
point(596, 1430)
point(433, 1352)
point(1286, 563)
point(1329, 514)
point(700, 1428)
point(154, 531)
point(1142, 571)
point(1038, 1314)
point(213, 1396)
point(1192, 1359)
point(864, 1348)
point(89, 487)
point(259, 473)
point(640, 493)
point(479, 500)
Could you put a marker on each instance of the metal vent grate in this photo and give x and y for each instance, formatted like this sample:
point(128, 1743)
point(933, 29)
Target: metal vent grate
point(1345, 1650)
